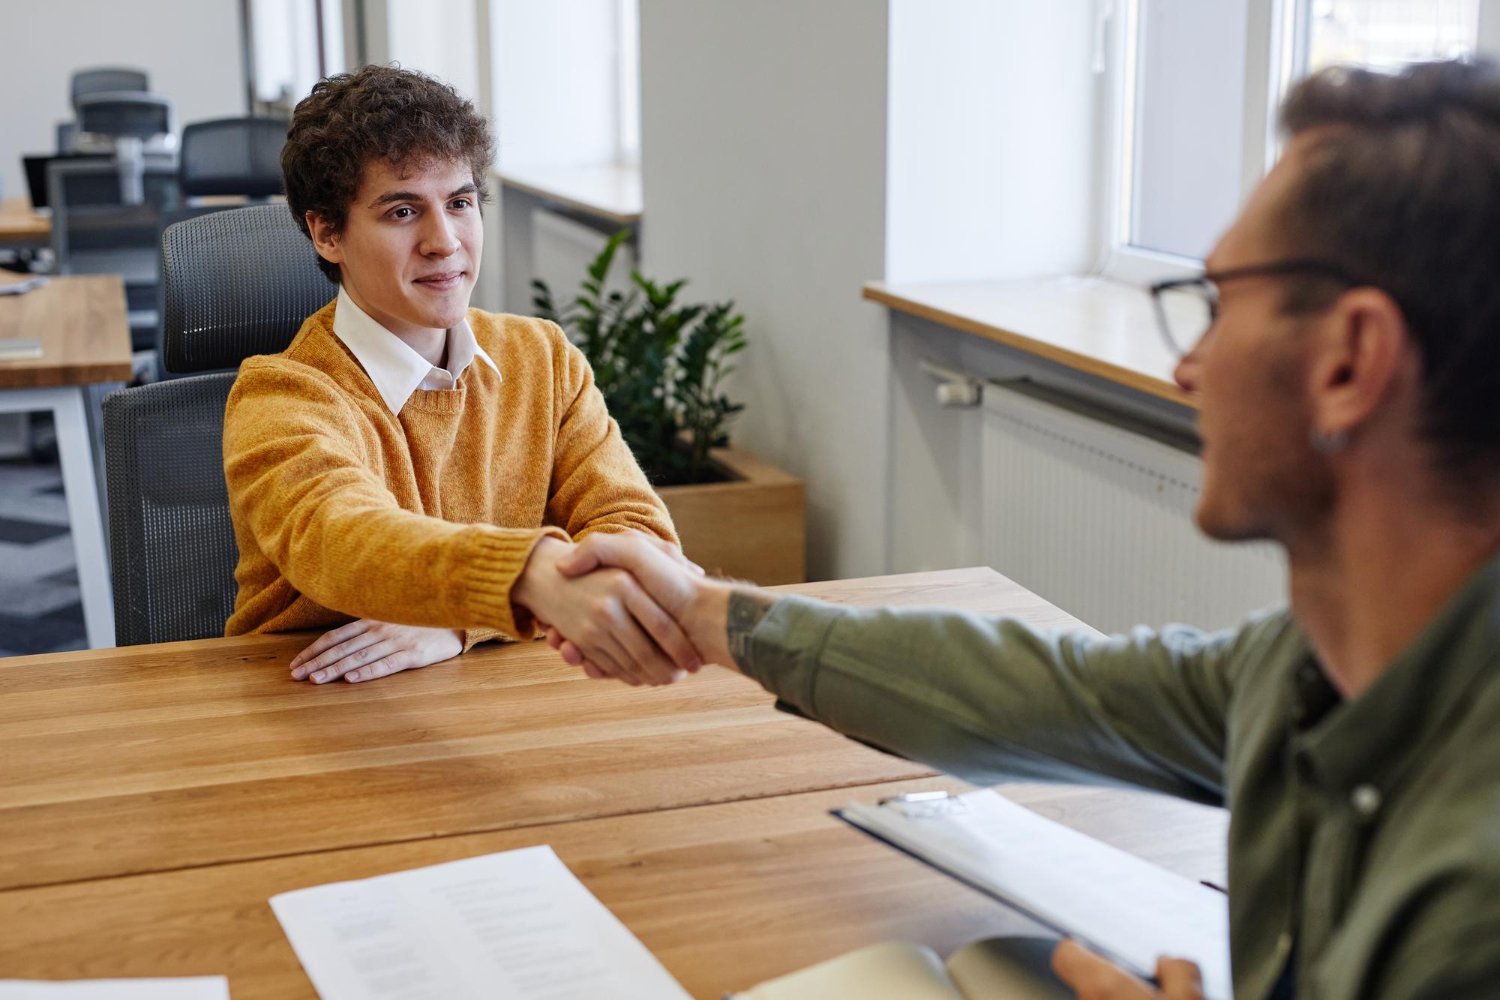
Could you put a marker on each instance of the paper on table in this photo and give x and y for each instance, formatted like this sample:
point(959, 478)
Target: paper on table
point(1123, 906)
point(191, 988)
point(17, 349)
point(22, 286)
point(511, 926)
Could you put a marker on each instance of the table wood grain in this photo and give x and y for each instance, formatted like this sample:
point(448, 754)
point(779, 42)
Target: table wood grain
point(151, 758)
point(20, 225)
point(725, 895)
point(81, 324)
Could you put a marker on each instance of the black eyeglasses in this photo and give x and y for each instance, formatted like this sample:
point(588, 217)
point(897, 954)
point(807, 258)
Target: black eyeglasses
point(1187, 307)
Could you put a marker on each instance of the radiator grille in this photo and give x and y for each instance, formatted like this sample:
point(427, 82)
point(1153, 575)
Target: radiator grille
point(1098, 520)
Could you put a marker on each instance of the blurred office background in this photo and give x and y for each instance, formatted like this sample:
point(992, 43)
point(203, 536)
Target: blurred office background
point(1040, 157)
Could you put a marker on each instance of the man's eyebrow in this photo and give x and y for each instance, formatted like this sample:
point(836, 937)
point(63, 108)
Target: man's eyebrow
point(391, 196)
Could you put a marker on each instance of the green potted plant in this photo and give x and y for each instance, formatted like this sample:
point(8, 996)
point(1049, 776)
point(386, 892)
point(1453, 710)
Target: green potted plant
point(660, 364)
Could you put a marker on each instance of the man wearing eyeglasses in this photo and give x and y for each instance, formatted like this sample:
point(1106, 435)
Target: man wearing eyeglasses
point(1346, 362)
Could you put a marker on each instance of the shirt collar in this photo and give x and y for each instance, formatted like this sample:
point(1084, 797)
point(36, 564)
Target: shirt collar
point(1368, 739)
point(393, 366)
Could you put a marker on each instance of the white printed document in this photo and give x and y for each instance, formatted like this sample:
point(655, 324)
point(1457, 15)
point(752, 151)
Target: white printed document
point(189, 988)
point(511, 926)
point(1119, 905)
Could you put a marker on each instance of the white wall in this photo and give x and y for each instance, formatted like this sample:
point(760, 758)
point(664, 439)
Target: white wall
point(439, 41)
point(992, 126)
point(763, 162)
point(190, 48)
point(555, 82)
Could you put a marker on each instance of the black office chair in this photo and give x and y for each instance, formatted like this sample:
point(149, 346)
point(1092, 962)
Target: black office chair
point(88, 82)
point(124, 114)
point(235, 157)
point(232, 156)
point(96, 230)
point(236, 283)
point(107, 79)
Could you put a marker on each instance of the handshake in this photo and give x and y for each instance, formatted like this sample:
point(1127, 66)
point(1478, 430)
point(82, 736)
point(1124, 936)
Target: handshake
point(628, 606)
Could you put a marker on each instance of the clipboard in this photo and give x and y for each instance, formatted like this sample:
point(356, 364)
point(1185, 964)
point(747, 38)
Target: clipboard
point(1120, 906)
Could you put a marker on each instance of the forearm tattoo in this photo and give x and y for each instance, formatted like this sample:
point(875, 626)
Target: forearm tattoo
point(746, 609)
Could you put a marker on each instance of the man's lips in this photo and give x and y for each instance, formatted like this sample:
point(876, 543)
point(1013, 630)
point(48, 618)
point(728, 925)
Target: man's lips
point(441, 282)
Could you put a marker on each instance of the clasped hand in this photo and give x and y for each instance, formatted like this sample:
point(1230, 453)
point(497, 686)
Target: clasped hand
point(612, 622)
point(668, 583)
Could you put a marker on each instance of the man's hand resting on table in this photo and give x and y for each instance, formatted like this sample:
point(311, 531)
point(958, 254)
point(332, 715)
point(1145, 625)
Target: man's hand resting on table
point(608, 616)
point(1096, 978)
point(364, 650)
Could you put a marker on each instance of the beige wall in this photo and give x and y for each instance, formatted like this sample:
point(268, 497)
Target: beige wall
point(763, 161)
point(190, 48)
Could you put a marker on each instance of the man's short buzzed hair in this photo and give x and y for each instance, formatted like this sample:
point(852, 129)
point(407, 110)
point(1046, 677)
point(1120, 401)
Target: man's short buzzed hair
point(378, 112)
point(1402, 189)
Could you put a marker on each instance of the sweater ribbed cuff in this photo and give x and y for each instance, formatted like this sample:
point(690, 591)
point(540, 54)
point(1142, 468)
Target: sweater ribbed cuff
point(474, 636)
point(490, 569)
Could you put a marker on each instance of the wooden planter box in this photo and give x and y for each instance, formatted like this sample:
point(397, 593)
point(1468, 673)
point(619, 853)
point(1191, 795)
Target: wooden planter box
point(752, 527)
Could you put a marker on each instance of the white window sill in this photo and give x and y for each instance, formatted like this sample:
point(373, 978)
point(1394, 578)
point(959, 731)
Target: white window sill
point(1093, 325)
point(611, 192)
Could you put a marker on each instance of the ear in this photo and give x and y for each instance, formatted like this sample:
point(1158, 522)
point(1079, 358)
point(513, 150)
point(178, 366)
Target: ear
point(326, 239)
point(1362, 354)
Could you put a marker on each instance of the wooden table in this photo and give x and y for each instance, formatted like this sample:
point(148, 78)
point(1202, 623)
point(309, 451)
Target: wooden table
point(21, 228)
point(81, 325)
point(153, 798)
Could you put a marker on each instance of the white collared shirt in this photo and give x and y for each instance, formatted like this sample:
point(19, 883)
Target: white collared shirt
point(396, 369)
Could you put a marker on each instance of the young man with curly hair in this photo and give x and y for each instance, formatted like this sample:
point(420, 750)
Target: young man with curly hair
point(409, 471)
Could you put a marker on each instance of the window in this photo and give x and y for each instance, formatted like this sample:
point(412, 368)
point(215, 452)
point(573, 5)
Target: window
point(289, 46)
point(1386, 34)
point(1196, 86)
point(566, 82)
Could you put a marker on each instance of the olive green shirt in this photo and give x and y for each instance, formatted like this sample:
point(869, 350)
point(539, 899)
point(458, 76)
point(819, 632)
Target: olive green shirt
point(1364, 839)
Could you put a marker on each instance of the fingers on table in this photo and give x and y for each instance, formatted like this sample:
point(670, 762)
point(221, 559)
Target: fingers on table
point(333, 647)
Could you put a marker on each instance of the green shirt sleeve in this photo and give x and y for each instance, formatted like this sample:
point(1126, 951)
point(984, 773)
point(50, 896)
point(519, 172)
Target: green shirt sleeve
point(990, 699)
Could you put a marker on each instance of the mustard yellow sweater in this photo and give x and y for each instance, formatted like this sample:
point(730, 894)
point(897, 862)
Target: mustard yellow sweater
point(343, 510)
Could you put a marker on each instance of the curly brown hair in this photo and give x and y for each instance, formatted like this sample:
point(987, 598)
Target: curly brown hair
point(385, 112)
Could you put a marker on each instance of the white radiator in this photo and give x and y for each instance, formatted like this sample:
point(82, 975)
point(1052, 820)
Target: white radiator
point(1098, 520)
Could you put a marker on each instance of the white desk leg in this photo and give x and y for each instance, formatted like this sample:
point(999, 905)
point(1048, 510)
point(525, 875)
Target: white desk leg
point(76, 453)
point(85, 523)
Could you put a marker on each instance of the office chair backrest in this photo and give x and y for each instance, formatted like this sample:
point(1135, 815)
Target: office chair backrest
point(124, 114)
point(89, 212)
point(107, 79)
point(171, 540)
point(232, 156)
point(234, 283)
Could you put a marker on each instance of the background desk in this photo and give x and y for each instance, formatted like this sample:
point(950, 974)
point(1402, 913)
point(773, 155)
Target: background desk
point(21, 228)
point(80, 323)
point(153, 798)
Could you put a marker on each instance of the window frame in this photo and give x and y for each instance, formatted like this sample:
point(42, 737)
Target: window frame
point(1276, 39)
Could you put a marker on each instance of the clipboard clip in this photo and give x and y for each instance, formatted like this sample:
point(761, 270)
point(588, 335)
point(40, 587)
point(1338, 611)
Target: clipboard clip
point(925, 805)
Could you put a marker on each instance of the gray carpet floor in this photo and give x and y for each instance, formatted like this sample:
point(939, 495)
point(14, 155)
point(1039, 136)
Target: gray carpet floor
point(39, 606)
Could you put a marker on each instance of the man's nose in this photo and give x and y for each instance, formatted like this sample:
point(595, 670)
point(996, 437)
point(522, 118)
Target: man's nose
point(1189, 368)
point(439, 236)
